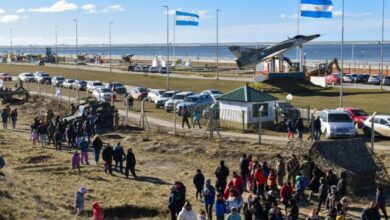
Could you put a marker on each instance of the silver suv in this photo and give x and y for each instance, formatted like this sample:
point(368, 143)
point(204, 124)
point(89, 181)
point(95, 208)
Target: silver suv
point(178, 98)
point(337, 123)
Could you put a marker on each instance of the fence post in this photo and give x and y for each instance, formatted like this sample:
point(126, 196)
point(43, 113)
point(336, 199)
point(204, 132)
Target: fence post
point(45, 90)
point(39, 88)
point(174, 117)
point(372, 132)
point(69, 95)
point(243, 121)
point(308, 112)
point(127, 110)
point(260, 124)
point(53, 92)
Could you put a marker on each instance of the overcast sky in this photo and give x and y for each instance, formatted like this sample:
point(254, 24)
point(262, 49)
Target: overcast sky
point(144, 21)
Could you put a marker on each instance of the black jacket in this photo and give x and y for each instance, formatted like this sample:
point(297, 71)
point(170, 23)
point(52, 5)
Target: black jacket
point(222, 173)
point(370, 214)
point(199, 180)
point(323, 192)
point(130, 160)
point(108, 154)
point(97, 144)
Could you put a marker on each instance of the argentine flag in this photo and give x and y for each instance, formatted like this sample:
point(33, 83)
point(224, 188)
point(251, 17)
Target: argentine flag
point(186, 19)
point(316, 8)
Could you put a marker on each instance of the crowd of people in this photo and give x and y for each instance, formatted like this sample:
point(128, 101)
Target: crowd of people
point(262, 192)
point(9, 116)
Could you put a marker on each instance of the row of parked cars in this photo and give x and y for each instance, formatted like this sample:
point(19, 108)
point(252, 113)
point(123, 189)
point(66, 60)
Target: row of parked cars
point(345, 122)
point(375, 79)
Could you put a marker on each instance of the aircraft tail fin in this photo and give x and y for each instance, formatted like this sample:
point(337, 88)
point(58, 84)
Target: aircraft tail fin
point(240, 51)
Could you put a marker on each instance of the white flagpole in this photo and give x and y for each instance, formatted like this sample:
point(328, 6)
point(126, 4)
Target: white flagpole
point(298, 24)
point(174, 39)
point(342, 57)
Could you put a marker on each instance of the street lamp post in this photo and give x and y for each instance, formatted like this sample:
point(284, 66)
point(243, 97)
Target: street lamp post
point(56, 36)
point(77, 57)
point(10, 53)
point(167, 63)
point(342, 57)
point(109, 30)
point(217, 26)
point(383, 35)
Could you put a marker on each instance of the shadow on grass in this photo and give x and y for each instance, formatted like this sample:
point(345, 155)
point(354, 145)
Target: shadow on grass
point(128, 212)
point(153, 180)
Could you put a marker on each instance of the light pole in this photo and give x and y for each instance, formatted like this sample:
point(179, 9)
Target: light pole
point(10, 53)
point(77, 57)
point(167, 63)
point(342, 57)
point(260, 124)
point(109, 30)
point(383, 36)
point(56, 36)
point(217, 12)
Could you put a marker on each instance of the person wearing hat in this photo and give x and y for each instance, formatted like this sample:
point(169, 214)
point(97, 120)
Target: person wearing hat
point(79, 203)
point(209, 197)
point(187, 213)
point(234, 215)
point(130, 163)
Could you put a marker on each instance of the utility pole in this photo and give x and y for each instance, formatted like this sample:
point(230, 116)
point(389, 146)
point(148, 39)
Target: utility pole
point(342, 57)
point(10, 53)
point(77, 57)
point(217, 26)
point(56, 36)
point(383, 36)
point(167, 63)
point(109, 30)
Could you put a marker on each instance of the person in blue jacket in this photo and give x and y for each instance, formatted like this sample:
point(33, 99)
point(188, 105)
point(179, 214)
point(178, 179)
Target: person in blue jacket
point(220, 207)
point(209, 197)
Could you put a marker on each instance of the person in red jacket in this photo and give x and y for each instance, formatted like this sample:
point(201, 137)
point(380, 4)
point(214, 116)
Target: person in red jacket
point(97, 211)
point(238, 182)
point(271, 182)
point(260, 181)
point(229, 186)
point(286, 193)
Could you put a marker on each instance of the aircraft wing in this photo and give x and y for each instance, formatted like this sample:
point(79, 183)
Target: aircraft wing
point(238, 51)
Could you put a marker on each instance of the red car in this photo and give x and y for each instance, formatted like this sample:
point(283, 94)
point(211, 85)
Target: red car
point(5, 77)
point(357, 115)
point(332, 79)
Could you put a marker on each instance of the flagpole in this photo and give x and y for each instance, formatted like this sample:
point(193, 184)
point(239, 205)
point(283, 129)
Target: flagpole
point(174, 39)
point(342, 56)
point(167, 62)
point(383, 36)
point(217, 26)
point(298, 24)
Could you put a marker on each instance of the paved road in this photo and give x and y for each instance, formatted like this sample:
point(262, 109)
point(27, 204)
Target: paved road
point(361, 86)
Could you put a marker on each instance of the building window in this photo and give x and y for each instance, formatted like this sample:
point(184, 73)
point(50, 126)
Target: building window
point(256, 107)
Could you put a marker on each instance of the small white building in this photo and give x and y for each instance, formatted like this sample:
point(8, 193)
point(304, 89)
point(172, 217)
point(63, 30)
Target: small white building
point(240, 108)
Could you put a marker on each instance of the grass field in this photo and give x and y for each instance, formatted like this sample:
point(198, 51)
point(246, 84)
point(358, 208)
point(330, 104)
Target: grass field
point(304, 94)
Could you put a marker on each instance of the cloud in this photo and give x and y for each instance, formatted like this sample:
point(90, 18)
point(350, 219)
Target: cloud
point(2, 11)
point(89, 8)
point(282, 16)
point(113, 8)
point(10, 18)
point(20, 11)
point(57, 7)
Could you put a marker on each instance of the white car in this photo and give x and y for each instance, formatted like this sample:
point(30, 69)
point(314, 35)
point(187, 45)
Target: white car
point(161, 100)
point(381, 126)
point(102, 94)
point(213, 93)
point(26, 77)
point(347, 78)
point(154, 94)
point(92, 85)
point(42, 77)
point(57, 80)
point(374, 80)
point(337, 123)
point(67, 83)
point(178, 98)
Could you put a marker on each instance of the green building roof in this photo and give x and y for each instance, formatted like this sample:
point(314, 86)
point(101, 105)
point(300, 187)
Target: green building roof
point(247, 94)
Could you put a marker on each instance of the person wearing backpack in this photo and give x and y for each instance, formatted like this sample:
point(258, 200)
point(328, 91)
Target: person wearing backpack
point(221, 173)
point(119, 155)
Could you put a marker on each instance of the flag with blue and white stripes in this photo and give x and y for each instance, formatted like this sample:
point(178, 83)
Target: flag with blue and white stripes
point(316, 8)
point(186, 19)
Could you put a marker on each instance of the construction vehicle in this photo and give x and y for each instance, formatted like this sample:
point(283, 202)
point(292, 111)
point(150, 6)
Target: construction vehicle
point(325, 69)
point(7, 95)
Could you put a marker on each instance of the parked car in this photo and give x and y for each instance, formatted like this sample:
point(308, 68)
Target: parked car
point(153, 69)
point(57, 80)
point(213, 93)
point(357, 115)
point(5, 77)
point(178, 98)
point(200, 102)
point(163, 98)
point(139, 93)
point(163, 70)
point(102, 94)
point(80, 85)
point(26, 77)
point(92, 85)
point(381, 126)
point(374, 80)
point(362, 78)
point(154, 94)
point(353, 77)
point(386, 81)
point(337, 123)
point(347, 78)
point(68, 83)
point(332, 79)
point(42, 77)
point(118, 87)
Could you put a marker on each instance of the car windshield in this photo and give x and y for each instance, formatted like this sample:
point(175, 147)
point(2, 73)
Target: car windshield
point(339, 118)
point(387, 77)
point(60, 78)
point(116, 84)
point(178, 97)
point(191, 99)
point(97, 84)
point(44, 74)
point(105, 90)
point(167, 94)
point(359, 112)
point(29, 75)
point(70, 80)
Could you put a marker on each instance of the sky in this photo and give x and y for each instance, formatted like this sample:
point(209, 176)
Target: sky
point(33, 22)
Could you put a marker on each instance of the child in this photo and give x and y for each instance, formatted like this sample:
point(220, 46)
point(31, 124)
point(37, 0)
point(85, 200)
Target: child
point(197, 116)
point(79, 203)
point(34, 136)
point(76, 162)
point(202, 215)
point(97, 212)
point(247, 212)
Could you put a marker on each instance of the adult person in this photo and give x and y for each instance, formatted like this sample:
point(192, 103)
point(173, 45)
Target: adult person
point(286, 193)
point(342, 186)
point(130, 163)
point(331, 178)
point(314, 183)
point(198, 181)
point(70, 135)
point(220, 207)
point(181, 188)
point(119, 155)
point(173, 203)
point(260, 180)
point(58, 137)
point(79, 203)
point(290, 129)
point(97, 146)
point(221, 173)
point(84, 151)
point(313, 215)
point(209, 197)
point(381, 201)
point(299, 127)
point(129, 99)
point(51, 130)
point(42, 132)
point(292, 168)
point(294, 209)
point(4, 118)
point(280, 169)
point(187, 213)
point(197, 117)
point(14, 117)
point(234, 215)
point(116, 119)
point(257, 209)
point(108, 155)
point(185, 114)
point(238, 182)
point(317, 128)
point(322, 194)
point(275, 214)
point(371, 213)
point(234, 200)
point(244, 167)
